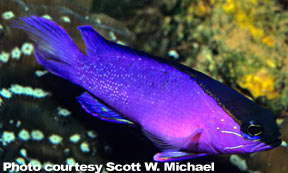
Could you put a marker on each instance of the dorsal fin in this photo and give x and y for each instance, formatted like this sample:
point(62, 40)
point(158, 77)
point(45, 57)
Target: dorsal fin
point(97, 44)
point(98, 109)
point(94, 42)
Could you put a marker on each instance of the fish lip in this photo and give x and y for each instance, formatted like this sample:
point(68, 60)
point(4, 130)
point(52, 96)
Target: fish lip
point(271, 145)
point(275, 143)
point(262, 146)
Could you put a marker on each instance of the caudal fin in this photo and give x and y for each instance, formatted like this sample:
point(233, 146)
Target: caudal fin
point(54, 49)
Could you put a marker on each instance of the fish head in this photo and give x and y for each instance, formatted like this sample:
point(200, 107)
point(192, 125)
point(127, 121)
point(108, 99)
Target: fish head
point(261, 130)
point(256, 131)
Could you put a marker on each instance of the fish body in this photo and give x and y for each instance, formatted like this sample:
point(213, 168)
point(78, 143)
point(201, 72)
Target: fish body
point(184, 112)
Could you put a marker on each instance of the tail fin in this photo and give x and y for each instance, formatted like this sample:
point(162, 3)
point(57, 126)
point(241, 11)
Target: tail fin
point(54, 49)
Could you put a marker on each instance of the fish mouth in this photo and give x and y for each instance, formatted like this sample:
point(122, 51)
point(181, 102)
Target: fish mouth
point(271, 145)
point(275, 143)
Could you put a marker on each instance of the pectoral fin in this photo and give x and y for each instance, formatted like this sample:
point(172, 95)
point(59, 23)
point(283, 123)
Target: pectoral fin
point(169, 156)
point(166, 143)
point(98, 109)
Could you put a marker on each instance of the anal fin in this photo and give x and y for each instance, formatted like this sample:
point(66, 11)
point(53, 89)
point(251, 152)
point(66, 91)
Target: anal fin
point(98, 109)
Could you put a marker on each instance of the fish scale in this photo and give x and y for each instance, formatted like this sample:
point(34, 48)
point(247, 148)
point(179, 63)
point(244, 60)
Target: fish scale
point(184, 112)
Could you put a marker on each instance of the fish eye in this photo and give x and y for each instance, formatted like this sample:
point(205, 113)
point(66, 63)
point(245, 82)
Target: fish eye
point(254, 129)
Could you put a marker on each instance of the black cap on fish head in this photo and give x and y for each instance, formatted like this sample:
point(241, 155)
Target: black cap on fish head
point(260, 124)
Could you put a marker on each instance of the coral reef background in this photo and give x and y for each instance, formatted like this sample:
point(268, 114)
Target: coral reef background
point(241, 43)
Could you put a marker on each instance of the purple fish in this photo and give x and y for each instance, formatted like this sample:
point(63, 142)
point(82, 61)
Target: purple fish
point(184, 112)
